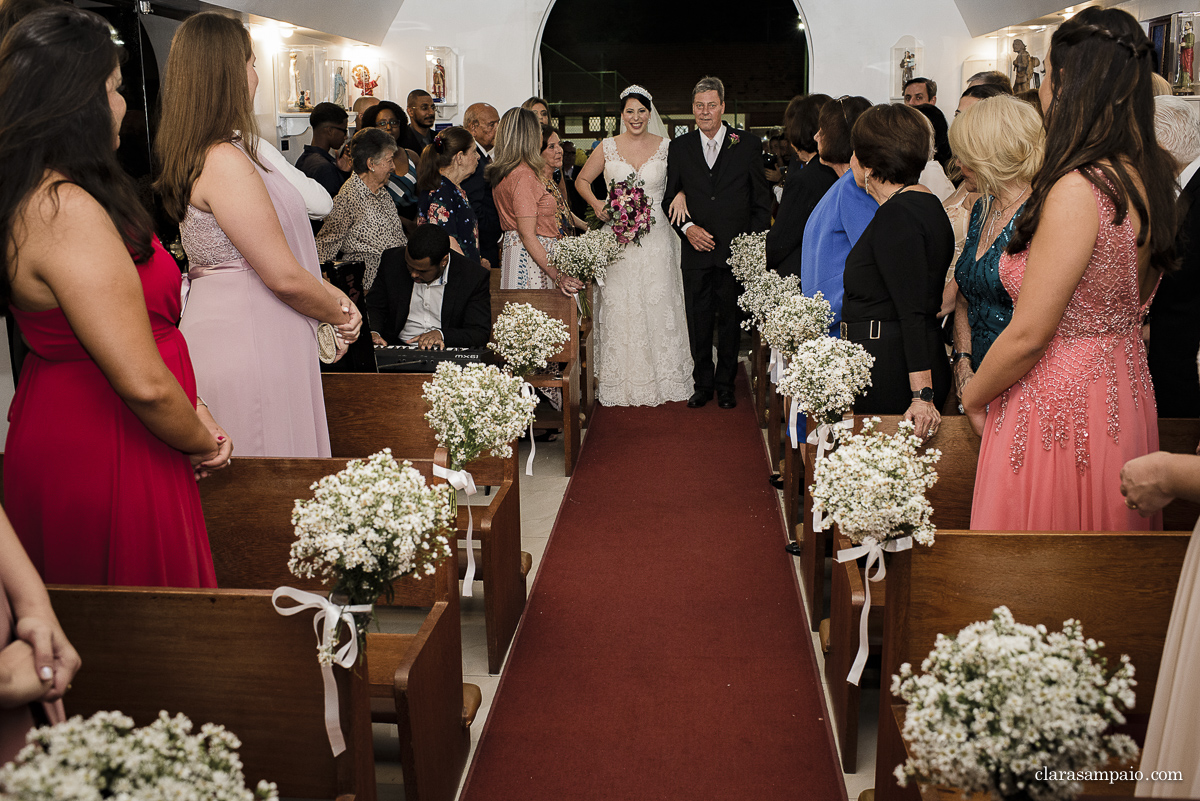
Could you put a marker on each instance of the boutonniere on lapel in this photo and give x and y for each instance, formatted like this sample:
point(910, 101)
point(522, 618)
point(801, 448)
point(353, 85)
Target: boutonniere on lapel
point(732, 140)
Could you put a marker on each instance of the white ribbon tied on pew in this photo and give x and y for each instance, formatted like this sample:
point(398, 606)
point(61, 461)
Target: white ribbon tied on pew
point(873, 550)
point(462, 480)
point(822, 437)
point(775, 366)
point(325, 623)
point(527, 391)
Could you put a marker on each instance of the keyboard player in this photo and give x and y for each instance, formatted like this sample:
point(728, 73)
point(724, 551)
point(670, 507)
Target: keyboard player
point(427, 295)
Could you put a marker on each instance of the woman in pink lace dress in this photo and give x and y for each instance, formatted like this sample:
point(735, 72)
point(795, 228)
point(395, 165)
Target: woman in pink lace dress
point(1063, 398)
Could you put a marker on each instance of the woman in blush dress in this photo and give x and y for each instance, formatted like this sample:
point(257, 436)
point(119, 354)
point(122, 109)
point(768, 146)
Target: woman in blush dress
point(1064, 398)
point(106, 430)
point(256, 290)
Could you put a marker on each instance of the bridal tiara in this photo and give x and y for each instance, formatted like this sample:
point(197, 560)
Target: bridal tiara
point(637, 90)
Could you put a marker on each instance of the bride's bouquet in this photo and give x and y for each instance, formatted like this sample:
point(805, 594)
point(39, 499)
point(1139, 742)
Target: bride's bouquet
point(630, 211)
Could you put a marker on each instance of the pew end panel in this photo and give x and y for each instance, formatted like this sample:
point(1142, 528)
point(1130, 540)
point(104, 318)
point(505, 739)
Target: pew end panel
point(269, 695)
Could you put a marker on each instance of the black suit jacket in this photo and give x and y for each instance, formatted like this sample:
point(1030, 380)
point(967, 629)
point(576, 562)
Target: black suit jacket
point(731, 198)
point(479, 193)
point(1175, 318)
point(466, 301)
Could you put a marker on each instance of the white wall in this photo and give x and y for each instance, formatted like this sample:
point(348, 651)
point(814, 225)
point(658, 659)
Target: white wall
point(850, 42)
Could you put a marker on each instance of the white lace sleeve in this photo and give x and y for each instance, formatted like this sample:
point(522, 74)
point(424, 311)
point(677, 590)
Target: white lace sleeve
point(316, 199)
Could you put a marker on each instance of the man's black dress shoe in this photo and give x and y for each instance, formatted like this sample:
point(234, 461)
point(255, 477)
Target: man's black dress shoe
point(699, 398)
point(726, 400)
point(776, 481)
point(793, 548)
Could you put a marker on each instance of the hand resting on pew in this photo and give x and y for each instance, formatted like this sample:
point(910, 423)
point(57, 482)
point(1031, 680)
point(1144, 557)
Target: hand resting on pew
point(1152, 481)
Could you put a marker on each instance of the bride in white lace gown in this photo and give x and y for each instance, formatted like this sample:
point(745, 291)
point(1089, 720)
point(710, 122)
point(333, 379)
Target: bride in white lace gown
point(641, 337)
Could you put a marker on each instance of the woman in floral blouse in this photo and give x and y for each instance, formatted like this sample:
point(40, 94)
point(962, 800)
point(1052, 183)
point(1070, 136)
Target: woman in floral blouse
point(444, 165)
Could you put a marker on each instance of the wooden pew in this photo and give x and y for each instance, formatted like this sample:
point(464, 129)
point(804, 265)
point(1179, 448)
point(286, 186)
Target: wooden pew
point(416, 681)
point(556, 304)
point(226, 657)
point(1119, 585)
point(368, 412)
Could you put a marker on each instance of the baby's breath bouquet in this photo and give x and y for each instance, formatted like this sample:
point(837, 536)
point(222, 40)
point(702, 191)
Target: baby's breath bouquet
point(1004, 703)
point(762, 293)
point(477, 409)
point(796, 319)
point(104, 756)
point(367, 525)
point(526, 337)
point(873, 486)
point(748, 256)
point(825, 375)
point(586, 256)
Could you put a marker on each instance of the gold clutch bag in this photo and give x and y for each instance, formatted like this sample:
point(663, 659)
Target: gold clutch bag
point(326, 343)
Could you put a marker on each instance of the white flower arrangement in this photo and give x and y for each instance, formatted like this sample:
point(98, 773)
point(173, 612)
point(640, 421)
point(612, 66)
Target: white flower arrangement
point(367, 525)
point(526, 337)
point(477, 409)
point(795, 319)
point(748, 256)
point(586, 256)
point(104, 756)
point(824, 376)
point(762, 293)
point(873, 486)
point(1003, 701)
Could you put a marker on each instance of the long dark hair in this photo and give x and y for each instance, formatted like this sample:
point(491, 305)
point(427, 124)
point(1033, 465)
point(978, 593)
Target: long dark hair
point(446, 145)
point(1101, 122)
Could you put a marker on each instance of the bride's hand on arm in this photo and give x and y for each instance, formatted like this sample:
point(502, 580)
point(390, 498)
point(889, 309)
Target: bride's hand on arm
point(106, 309)
point(583, 182)
point(678, 212)
point(233, 191)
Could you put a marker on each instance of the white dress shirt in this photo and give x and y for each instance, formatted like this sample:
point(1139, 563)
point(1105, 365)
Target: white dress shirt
point(425, 308)
point(1186, 175)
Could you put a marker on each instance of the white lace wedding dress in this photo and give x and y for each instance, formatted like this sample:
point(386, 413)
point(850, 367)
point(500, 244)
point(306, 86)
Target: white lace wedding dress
point(642, 353)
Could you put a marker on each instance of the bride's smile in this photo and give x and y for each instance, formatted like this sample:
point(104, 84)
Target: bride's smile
point(635, 116)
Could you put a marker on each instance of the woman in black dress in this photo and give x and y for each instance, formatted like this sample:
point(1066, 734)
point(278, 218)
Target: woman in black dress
point(895, 272)
point(808, 179)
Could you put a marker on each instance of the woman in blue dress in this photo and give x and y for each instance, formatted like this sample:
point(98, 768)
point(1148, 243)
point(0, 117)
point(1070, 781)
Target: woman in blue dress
point(999, 142)
point(444, 165)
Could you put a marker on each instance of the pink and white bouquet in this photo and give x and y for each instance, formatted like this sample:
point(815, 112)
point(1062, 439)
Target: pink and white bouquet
point(630, 212)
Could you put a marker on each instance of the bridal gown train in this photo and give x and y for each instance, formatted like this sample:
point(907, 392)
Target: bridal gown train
point(642, 353)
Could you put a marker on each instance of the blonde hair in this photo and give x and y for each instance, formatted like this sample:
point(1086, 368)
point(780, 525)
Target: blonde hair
point(206, 101)
point(1000, 139)
point(1159, 85)
point(518, 141)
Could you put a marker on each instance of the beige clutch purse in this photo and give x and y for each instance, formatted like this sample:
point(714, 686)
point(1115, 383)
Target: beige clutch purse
point(326, 343)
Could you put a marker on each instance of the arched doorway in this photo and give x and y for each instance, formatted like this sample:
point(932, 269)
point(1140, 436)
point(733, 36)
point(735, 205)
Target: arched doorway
point(581, 63)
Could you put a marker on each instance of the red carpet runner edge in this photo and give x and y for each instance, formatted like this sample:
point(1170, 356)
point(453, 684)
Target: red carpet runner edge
point(664, 653)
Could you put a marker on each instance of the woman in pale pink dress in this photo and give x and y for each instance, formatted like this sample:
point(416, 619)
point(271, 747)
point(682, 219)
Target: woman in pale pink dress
point(256, 293)
point(1063, 398)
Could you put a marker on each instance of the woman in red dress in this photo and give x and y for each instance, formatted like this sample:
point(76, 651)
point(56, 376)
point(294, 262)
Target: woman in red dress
point(107, 434)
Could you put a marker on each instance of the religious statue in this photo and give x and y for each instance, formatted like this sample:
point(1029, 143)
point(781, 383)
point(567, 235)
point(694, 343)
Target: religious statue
point(294, 91)
point(1183, 85)
point(363, 81)
point(1023, 66)
point(339, 89)
point(907, 66)
point(438, 90)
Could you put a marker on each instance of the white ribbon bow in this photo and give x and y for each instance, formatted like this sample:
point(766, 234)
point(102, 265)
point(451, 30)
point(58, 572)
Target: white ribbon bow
point(462, 480)
point(776, 366)
point(873, 550)
point(325, 623)
point(528, 391)
point(822, 437)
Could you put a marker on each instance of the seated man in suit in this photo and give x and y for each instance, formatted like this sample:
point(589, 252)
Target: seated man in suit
point(428, 296)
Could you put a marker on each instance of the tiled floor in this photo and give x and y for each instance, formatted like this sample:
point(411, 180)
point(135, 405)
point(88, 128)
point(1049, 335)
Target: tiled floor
point(541, 496)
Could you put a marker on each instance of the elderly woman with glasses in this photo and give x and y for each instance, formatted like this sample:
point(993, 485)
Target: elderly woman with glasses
point(402, 185)
point(364, 222)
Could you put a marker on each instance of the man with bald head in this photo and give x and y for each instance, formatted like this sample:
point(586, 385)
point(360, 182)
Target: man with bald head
point(481, 120)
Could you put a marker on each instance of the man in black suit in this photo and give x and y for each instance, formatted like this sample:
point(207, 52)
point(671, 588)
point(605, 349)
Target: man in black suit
point(428, 296)
point(481, 120)
point(719, 170)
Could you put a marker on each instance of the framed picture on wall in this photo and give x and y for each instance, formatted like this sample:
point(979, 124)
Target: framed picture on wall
point(1159, 31)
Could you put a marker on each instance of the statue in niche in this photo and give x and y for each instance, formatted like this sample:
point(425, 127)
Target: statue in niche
point(339, 89)
point(908, 65)
point(1187, 43)
point(438, 90)
point(1023, 66)
point(363, 81)
point(295, 93)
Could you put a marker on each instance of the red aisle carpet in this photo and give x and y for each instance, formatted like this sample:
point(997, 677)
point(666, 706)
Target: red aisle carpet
point(663, 653)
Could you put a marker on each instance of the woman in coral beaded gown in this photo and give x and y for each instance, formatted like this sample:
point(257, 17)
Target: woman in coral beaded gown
point(1065, 389)
point(105, 431)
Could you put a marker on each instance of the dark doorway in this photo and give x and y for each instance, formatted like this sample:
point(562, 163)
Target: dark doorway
point(761, 54)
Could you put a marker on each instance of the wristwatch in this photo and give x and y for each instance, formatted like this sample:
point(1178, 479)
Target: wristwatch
point(955, 355)
point(925, 394)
